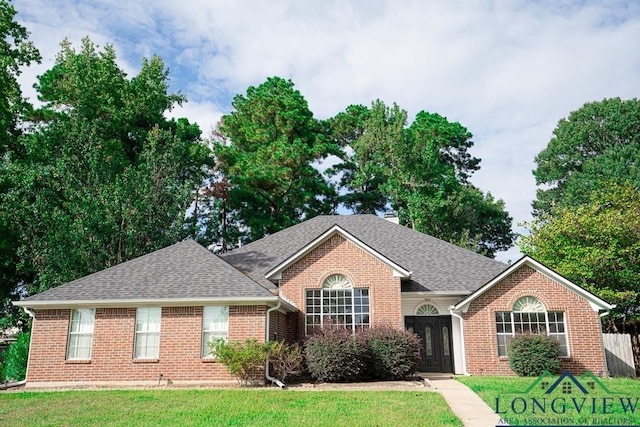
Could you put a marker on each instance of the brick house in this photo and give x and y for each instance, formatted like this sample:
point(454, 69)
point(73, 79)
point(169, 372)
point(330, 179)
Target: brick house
point(150, 318)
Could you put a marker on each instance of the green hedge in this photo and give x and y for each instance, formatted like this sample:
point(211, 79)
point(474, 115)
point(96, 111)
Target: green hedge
point(15, 359)
point(531, 355)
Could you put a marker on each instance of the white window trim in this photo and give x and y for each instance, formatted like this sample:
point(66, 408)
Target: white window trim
point(546, 319)
point(138, 333)
point(322, 315)
point(217, 333)
point(80, 333)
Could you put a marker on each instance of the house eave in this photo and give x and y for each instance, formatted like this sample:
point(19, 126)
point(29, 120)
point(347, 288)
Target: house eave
point(460, 293)
point(154, 302)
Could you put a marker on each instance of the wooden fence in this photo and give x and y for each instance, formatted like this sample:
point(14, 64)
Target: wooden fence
point(619, 352)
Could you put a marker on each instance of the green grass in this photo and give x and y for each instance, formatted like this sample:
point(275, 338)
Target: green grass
point(225, 408)
point(512, 389)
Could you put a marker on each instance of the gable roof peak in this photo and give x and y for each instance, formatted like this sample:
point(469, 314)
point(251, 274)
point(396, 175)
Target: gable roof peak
point(597, 304)
point(276, 272)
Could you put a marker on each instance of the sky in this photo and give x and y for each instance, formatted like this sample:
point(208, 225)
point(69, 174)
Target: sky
point(506, 70)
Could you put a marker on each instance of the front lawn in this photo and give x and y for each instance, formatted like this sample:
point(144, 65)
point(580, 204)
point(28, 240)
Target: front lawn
point(569, 406)
point(222, 407)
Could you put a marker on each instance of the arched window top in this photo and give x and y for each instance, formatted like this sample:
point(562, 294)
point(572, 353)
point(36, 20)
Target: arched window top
point(528, 305)
point(427, 310)
point(336, 281)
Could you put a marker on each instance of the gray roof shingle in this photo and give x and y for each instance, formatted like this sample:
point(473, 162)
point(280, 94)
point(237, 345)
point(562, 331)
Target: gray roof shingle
point(436, 264)
point(184, 270)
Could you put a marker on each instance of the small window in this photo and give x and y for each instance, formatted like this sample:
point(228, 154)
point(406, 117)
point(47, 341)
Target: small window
point(147, 338)
point(81, 334)
point(427, 310)
point(215, 325)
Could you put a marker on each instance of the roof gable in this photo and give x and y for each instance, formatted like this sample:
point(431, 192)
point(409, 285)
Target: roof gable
point(276, 272)
point(436, 266)
point(178, 274)
point(596, 303)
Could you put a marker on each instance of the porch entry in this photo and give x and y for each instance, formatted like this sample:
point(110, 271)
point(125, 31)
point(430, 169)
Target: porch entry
point(436, 352)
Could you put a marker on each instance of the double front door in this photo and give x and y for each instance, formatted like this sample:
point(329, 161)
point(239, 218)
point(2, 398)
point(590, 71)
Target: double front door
point(436, 351)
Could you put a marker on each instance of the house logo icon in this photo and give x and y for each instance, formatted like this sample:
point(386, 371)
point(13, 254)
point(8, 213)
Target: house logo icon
point(567, 384)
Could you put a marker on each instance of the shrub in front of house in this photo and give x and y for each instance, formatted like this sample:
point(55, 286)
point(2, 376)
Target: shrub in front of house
point(244, 359)
point(391, 354)
point(286, 360)
point(531, 355)
point(15, 359)
point(334, 354)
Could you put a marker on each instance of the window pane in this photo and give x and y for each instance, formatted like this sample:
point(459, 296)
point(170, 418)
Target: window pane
point(215, 325)
point(502, 345)
point(445, 341)
point(147, 338)
point(81, 333)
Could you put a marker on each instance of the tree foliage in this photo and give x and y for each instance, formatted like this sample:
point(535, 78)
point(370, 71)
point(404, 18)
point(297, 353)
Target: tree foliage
point(15, 359)
point(16, 51)
point(422, 171)
point(596, 245)
point(274, 142)
point(596, 144)
point(105, 176)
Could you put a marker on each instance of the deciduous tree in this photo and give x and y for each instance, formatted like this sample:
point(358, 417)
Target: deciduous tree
point(596, 245)
point(422, 171)
point(596, 144)
point(16, 51)
point(106, 177)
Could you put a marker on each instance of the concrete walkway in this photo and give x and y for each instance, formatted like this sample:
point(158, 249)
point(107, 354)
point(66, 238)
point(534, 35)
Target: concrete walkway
point(467, 405)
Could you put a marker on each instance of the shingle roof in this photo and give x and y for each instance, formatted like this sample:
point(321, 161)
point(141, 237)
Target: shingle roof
point(181, 271)
point(436, 265)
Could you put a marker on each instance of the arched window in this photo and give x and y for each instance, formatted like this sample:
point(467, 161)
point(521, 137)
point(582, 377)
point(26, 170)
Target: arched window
point(337, 303)
point(336, 281)
point(427, 310)
point(529, 316)
point(528, 305)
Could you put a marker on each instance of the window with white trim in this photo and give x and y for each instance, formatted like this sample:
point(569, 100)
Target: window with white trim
point(81, 334)
point(215, 325)
point(529, 316)
point(147, 337)
point(338, 304)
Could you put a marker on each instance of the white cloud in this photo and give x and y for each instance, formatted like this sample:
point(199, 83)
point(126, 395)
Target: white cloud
point(507, 70)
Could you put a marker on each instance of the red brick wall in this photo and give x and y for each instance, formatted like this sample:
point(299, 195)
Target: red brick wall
point(113, 340)
point(339, 256)
point(583, 324)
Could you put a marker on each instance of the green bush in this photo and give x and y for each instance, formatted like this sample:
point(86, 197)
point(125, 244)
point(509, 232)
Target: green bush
point(286, 360)
point(244, 360)
point(531, 355)
point(334, 355)
point(15, 359)
point(392, 354)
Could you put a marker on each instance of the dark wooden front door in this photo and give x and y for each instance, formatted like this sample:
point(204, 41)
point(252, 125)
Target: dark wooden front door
point(436, 351)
